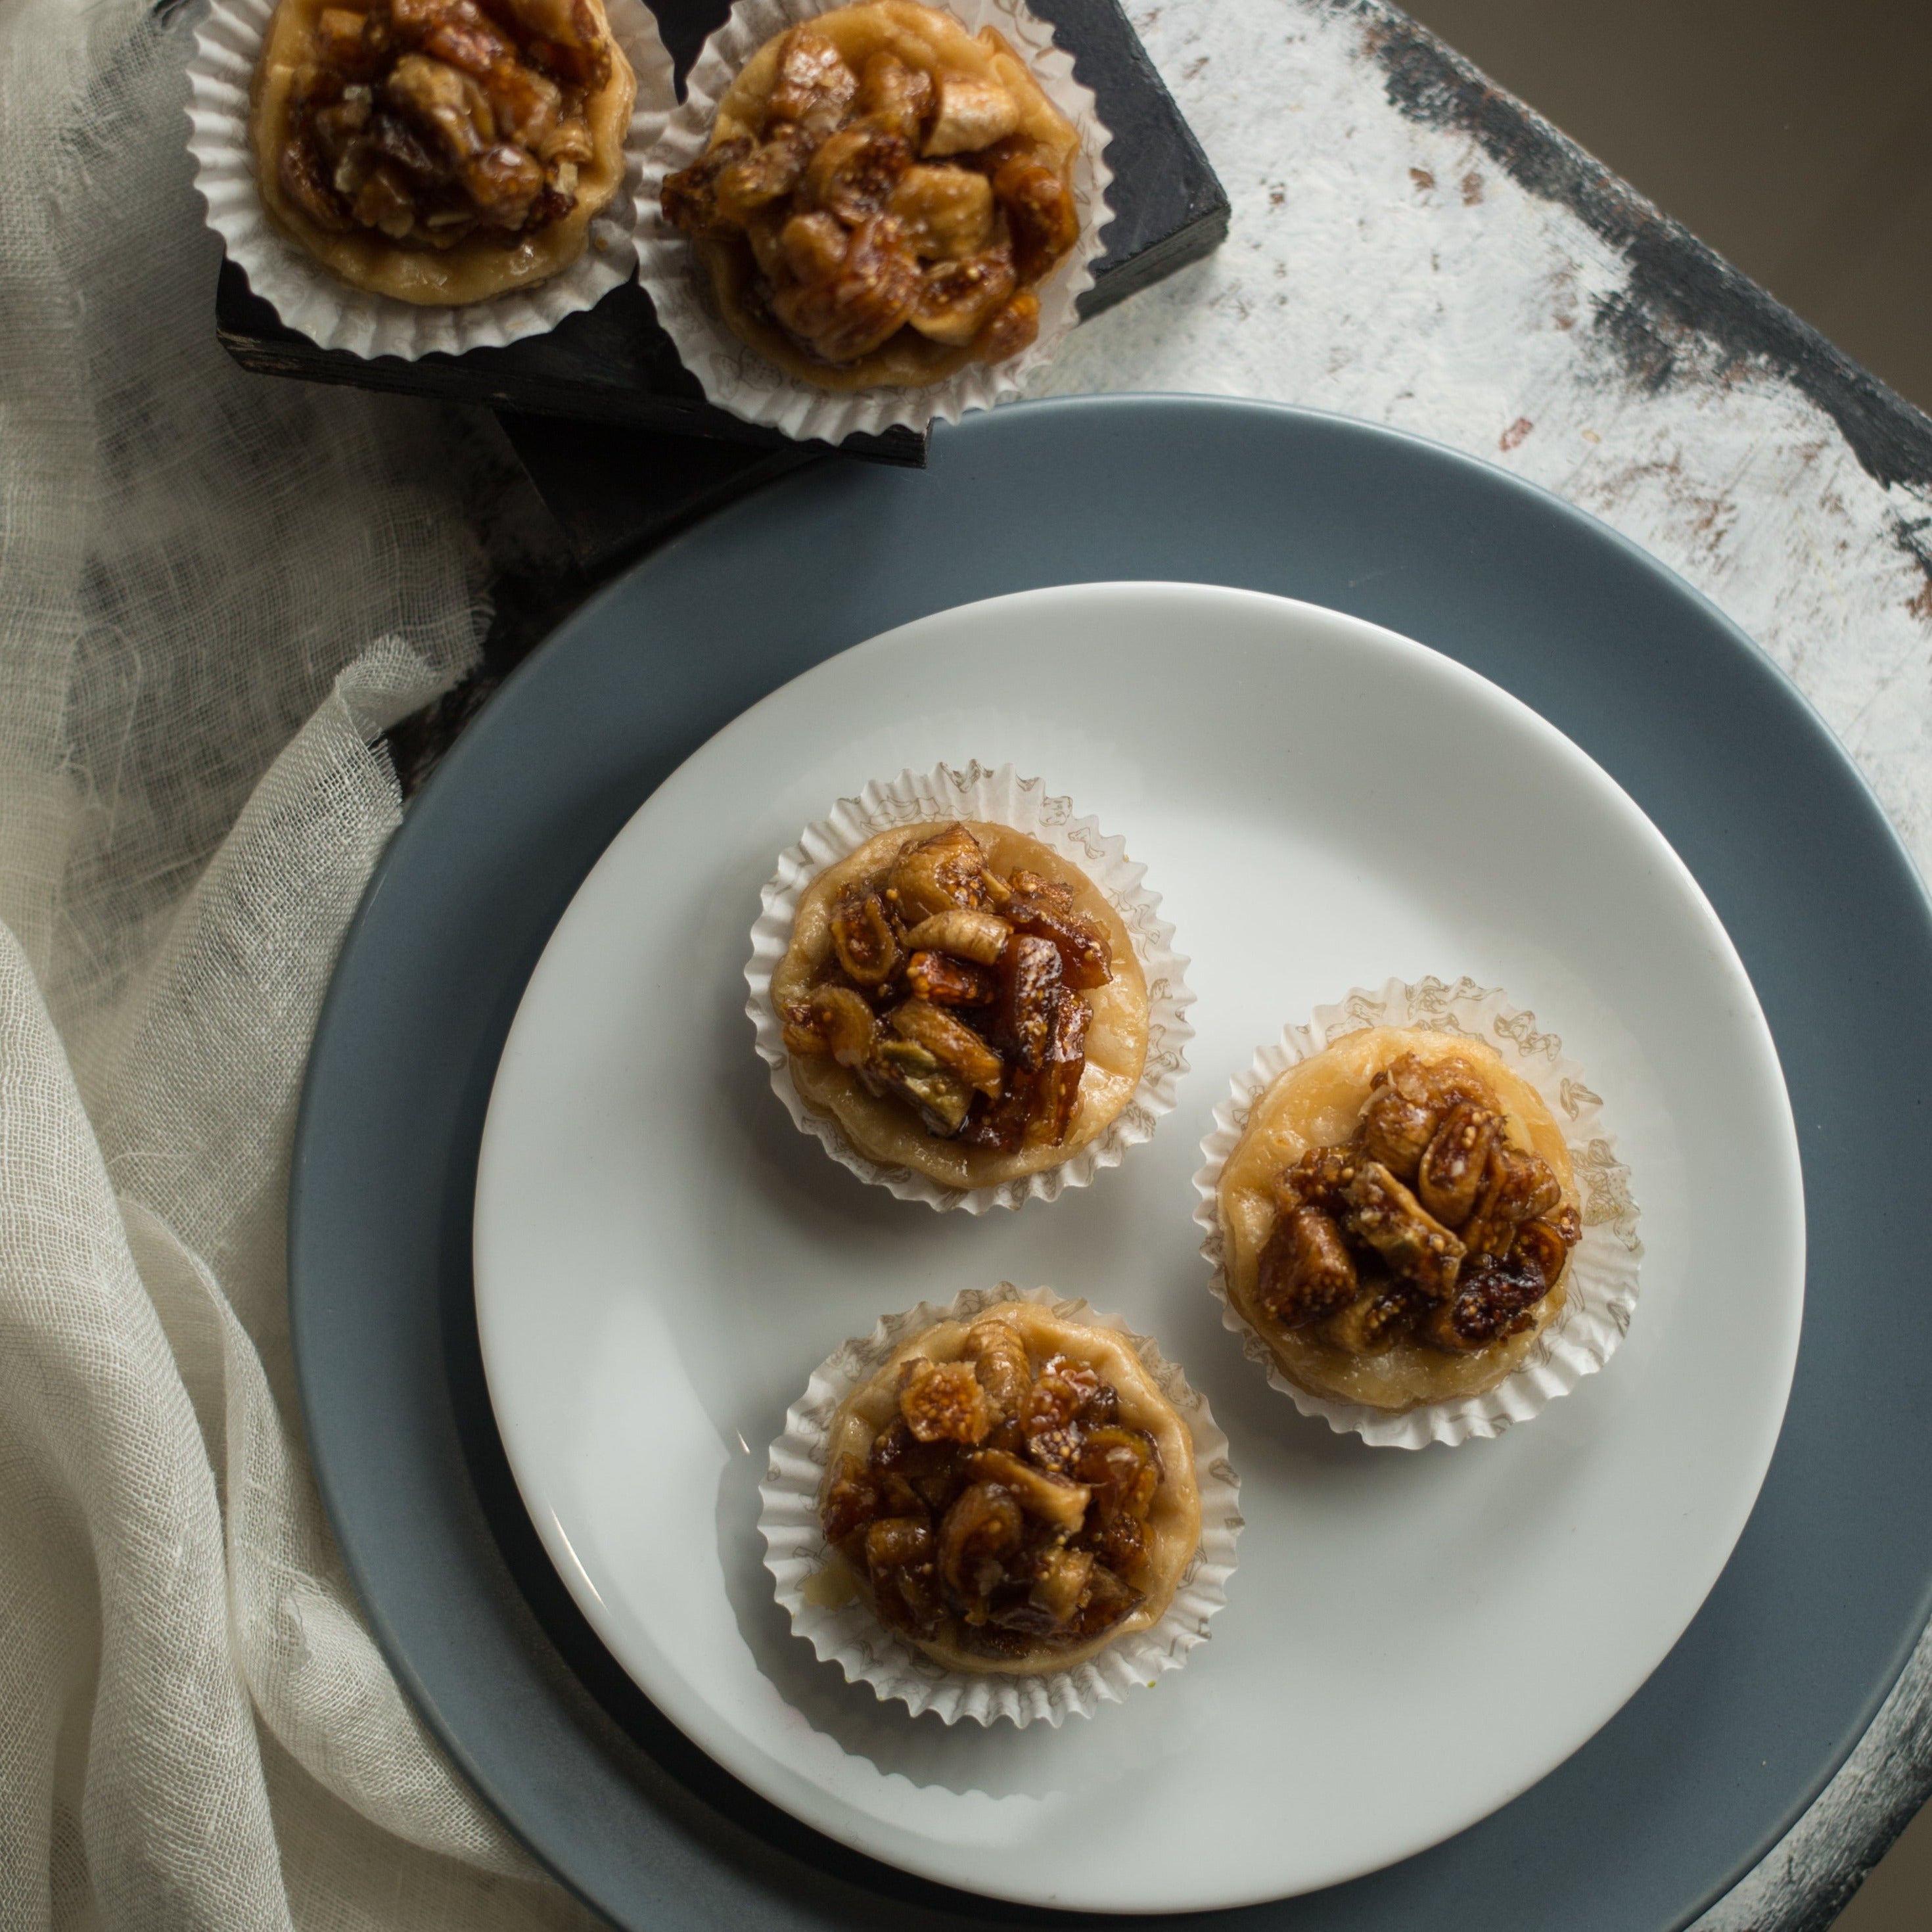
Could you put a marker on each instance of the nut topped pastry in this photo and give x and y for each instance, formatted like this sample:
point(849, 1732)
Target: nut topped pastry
point(440, 152)
point(882, 195)
point(1012, 1494)
point(1397, 1219)
point(962, 1001)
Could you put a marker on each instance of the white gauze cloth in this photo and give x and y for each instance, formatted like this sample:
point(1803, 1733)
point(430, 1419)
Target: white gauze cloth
point(216, 591)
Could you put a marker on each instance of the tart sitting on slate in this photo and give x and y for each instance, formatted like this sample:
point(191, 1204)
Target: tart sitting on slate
point(882, 193)
point(1398, 1217)
point(440, 152)
point(1013, 1495)
point(964, 1002)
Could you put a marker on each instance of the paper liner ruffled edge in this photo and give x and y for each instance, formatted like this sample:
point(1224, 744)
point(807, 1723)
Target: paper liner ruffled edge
point(1602, 1280)
point(333, 315)
point(734, 375)
point(999, 797)
point(851, 1637)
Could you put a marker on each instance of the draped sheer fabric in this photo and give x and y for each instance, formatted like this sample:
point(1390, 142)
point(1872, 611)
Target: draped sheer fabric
point(216, 591)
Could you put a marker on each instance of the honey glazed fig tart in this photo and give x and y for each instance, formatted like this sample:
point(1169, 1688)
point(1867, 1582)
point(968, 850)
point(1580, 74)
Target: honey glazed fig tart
point(881, 196)
point(1396, 1220)
point(440, 152)
point(958, 1009)
point(1002, 1493)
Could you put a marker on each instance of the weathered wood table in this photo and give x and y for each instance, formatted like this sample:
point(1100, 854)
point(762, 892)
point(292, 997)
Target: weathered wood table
point(1412, 246)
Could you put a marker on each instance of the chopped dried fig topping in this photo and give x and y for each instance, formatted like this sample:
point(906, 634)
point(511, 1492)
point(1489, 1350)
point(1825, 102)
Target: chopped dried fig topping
point(1086, 961)
point(895, 97)
point(1377, 1319)
point(844, 1022)
point(1320, 1179)
point(689, 198)
point(815, 87)
point(1494, 1297)
point(957, 299)
point(1040, 210)
point(1055, 893)
point(1516, 1187)
point(1028, 1004)
point(1452, 1166)
point(973, 112)
point(812, 247)
point(1428, 1224)
point(948, 982)
point(943, 1399)
point(754, 180)
point(1057, 1094)
point(980, 936)
point(1012, 329)
point(998, 1354)
point(1036, 1541)
point(1396, 1131)
point(1054, 1498)
point(901, 1564)
point(862, 936)
point(852, 1500)
point(1382, 1214)
point(853, 175)
point(434, 120)
point(1062, 1578)
point(947, 212)
point(919, 1078)
point(866, 301)
point(935, 874)
point(952, 1043)
point(935, 1001)
point(1306, 1272)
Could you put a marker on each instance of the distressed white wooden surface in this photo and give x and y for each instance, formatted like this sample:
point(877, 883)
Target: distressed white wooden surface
point(1389, 270)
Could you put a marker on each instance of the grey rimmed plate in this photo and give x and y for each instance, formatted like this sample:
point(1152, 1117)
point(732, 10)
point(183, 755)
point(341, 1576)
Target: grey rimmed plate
point(1777, 1676)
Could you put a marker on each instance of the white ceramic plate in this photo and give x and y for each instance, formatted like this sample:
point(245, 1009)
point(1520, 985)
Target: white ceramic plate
point(1410, 1639)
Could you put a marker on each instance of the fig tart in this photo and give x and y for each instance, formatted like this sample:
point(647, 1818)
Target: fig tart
point(1012, 1493)
point(882, 195)
point(1397, 1219)
point(440, 152)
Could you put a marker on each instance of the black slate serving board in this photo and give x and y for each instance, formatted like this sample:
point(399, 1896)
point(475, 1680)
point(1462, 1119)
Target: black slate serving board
point(613, 365)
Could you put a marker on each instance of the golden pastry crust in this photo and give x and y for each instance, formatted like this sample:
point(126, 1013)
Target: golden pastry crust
point(472, 269)
point(1318, 1104)
point(880, 1126)
point(747, 281)
point(1173, 1523)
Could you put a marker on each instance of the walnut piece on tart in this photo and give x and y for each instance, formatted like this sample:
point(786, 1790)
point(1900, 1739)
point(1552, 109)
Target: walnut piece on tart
point(962, 1001)
point(882, 194)
point(440, 152)
point(1013, 1494)
point(1397, 1218)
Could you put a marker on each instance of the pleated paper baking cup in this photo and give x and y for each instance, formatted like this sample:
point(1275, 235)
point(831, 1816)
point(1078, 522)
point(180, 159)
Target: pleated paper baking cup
point(1600, 1282)
point(847, 1633)
point(734, 375)
point(332, 313)
point(999, 797)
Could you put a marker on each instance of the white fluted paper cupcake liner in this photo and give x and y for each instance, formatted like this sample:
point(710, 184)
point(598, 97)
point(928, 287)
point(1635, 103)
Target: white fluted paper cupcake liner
point(1602, 1278)
point(329, 312)
point(850, 1636)
point(1003, 798)
point(734, 375)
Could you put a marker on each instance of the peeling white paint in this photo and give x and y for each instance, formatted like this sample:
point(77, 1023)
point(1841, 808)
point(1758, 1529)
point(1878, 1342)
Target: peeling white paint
point(1390, 270)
